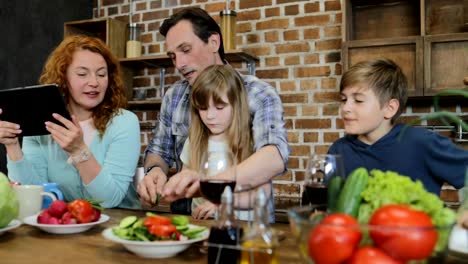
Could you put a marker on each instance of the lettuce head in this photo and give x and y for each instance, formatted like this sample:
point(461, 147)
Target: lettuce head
point(8, 203)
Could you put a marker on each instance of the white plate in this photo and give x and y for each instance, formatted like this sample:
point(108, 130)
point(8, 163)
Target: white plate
point(12, 225)
point(155, 249)
point(64, 229)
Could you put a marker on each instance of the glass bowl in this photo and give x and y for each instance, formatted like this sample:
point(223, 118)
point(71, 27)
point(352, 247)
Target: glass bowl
point(305, 220)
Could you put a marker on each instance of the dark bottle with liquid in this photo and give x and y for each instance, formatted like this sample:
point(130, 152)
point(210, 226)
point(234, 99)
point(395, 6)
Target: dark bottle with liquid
point(225, 235)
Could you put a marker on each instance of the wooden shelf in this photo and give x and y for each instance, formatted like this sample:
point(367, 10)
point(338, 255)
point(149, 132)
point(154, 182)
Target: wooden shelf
point(163, 60)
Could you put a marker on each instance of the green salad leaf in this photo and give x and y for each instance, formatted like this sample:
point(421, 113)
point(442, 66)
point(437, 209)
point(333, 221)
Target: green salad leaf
point(391, 188)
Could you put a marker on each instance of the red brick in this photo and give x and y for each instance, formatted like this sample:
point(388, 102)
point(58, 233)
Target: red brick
point(286, 189)
point(294, 47)
point(246, 4)
point(329, 83)
point(252, 38)
point(314, 123)
point(271, 36)
point(308, 84)
point(290, 111)
point(248, 15)
point(154, 15)
point(287, 85)
point(321, 149)
point(272, 74)
point(331, 110)
point(272, 12)
point(271, 62)
point(312, 7)
point(303, 72)
point(291, 10)
point(292, 60)
point(332, 44)
point(258, 51)
point(291, 35)
point(299, 150)
point(312, 59)
point(273, 24)
point(332, 6)
point(311, 137)
point(326, 97)
point(332, 32)
point(243, 27)
point(330, 137)
point(318, 20)
point(310, 110)
point(293, 137)
point(293, 98)
point(312, 33)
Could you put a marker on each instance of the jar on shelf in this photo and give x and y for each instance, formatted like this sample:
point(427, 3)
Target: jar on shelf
point(134, 40)
point(228, 28)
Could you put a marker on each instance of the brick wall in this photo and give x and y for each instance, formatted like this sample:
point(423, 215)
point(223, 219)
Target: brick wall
point(298, 44)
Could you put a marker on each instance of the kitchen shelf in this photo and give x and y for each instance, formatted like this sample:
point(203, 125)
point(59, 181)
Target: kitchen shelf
point(426, 38)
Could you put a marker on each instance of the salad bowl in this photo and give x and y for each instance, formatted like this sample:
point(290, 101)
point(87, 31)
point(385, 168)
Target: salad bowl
point(155, 249)
point(358, 240)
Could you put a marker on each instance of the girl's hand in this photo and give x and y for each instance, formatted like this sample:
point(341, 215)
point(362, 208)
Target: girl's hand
point(9, 132)
point(69, 136)
point(204, 210)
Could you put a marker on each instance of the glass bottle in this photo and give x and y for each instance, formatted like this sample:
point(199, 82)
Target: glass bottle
point(260, 241)
point(228, 28)
point(225, 235)
point(134, 40)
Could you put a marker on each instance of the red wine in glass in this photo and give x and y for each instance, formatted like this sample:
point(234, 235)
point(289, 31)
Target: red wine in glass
point(212, 189)
point(316, 193)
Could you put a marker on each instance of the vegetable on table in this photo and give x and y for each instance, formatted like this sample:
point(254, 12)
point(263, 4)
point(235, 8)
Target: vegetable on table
point(403, 233)
point(350, 198)
point(9, 205)
point(371, 255)
point(334, 239)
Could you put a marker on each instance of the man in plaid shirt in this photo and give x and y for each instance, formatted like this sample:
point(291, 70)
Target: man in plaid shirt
point(193, 42)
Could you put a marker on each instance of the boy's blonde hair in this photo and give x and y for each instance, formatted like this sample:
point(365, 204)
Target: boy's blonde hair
point(384, 77)
point(213, 82)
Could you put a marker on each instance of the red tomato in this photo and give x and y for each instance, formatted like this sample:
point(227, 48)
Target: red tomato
point(371, 255)
point(162, 230)
point(403, 243)
point(156, 220)
point(334, 239)
point(82, 210)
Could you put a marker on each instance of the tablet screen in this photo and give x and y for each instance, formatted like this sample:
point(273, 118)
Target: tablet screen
point(32, 106)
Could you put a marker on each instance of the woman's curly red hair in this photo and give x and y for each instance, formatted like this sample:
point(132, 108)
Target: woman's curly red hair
point(55, 71)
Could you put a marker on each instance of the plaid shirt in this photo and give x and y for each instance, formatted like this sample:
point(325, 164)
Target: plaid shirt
point(266, 112)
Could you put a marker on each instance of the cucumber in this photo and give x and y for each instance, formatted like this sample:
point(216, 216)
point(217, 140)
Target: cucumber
point(350, 198)
point(128, 221)
point(334, 188)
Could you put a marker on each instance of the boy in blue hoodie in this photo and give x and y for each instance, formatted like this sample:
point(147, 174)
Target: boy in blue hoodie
point(373, 95)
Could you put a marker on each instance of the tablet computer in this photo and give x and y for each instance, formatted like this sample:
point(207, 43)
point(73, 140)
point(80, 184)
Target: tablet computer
point(31, 106)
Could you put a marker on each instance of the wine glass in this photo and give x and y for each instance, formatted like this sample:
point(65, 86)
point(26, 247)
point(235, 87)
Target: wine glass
point(321, 169)
point(217, 170)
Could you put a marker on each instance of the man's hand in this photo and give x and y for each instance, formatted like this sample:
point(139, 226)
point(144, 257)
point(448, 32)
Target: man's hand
point(204, 210)
point(184, 184)
point(151, 185)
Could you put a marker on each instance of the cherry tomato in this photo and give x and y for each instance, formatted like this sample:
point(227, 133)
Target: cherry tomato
point(156, 220)
point(415, 237)
point(82, 210)
point(334, 239)
point(371, 255)
point(162, 230)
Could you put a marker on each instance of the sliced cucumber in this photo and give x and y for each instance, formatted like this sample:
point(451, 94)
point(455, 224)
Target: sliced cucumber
point(128, 221)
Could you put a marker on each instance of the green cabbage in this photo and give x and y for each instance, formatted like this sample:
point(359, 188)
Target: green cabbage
point(8, 203)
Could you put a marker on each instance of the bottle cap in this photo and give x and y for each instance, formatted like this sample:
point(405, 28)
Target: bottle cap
point(226, 197)
point(260, 199)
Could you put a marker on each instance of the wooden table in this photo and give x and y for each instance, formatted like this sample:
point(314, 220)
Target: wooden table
point(28, 244)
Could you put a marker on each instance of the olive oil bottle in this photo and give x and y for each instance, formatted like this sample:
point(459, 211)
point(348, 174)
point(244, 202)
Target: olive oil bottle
point(260, 241)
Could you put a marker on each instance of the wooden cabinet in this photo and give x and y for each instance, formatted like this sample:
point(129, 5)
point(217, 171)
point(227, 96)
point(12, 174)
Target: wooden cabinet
point(113, 32)
point(425, 37)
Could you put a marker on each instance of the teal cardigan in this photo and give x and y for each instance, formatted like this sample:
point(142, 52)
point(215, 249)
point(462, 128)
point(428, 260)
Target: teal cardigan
point(117, 152)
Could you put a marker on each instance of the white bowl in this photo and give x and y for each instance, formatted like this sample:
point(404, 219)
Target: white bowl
point(12, 225)
point(64, 229)
point(155, 249)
